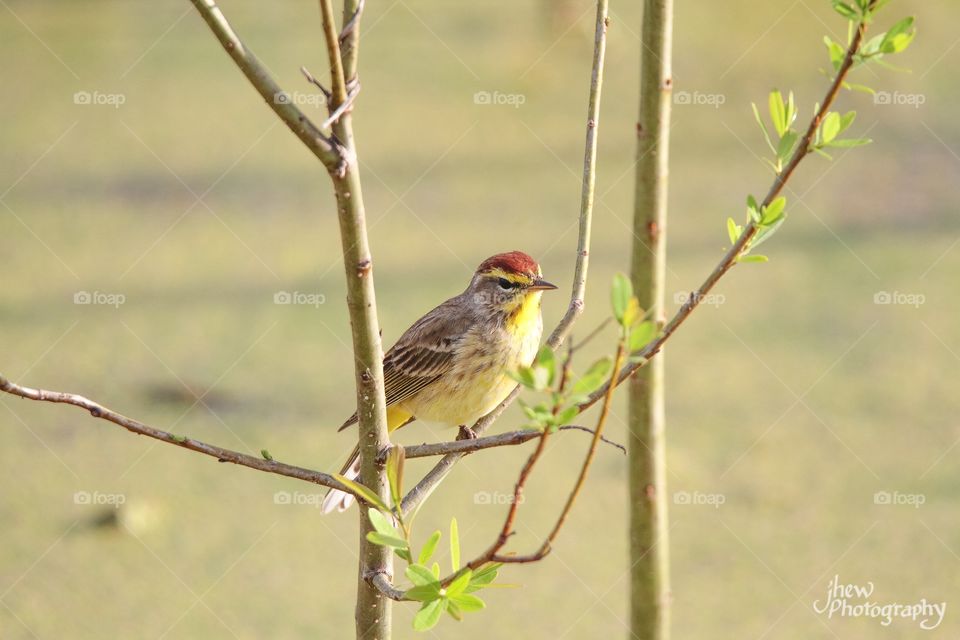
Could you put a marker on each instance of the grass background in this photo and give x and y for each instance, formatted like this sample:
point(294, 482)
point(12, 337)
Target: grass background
point(796, 400)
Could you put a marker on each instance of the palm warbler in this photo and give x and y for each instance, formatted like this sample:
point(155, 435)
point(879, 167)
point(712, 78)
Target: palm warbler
point(451, 365)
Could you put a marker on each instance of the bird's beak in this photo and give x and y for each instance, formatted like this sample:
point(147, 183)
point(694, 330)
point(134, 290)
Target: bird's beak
point(541, 285)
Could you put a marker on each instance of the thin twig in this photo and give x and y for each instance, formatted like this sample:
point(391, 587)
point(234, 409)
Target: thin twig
point(603, 439)
point(545, 548)
point(343, 108)
point(97, 410)
point(323, 147)
point(507, 439)
point(312, 80)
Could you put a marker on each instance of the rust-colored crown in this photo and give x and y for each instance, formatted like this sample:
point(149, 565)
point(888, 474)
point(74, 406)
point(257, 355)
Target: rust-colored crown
point(511, 262)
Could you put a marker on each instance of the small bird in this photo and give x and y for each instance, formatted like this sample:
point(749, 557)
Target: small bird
point(451, 366)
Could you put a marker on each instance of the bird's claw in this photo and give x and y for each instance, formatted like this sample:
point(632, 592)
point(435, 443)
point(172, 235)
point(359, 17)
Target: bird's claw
point(466, 433)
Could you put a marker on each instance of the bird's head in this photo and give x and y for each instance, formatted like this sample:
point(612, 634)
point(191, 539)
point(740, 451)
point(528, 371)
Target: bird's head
point(508, 283)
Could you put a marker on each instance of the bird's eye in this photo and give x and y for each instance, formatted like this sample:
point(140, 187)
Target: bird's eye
point(504, 283)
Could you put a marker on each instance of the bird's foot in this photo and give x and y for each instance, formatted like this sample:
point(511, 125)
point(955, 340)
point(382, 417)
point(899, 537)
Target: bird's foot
point(466, 433)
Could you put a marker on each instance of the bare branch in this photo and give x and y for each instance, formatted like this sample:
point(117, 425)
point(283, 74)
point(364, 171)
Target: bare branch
point(97, 410)
point(381, 582)
point(323, 147)
point(507, 439)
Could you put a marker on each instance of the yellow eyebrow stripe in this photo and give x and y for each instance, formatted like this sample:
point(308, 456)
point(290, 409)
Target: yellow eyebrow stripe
point(512, 277)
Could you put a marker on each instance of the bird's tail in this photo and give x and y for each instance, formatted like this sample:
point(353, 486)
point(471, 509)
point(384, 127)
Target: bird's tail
point(337, 500)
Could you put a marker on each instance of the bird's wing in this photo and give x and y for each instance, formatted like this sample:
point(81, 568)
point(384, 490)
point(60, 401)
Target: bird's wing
point(422, 354)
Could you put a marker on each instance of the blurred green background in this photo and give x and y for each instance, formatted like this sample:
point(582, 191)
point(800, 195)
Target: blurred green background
point(793, 400)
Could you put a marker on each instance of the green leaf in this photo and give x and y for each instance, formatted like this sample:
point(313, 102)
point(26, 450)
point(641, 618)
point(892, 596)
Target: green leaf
point(468, 603)
point(395, 459)
point(484, 576)
point(424, 593)
point(382, 523)
point(435, 570)
point(547, 360)
point(632, 313)
point(850, 142)
point(830, 127)
point(763, 127)
point(641, 335)
point(766, 232)
point(568, 414)
point(846, 120)
point(778, 112)
point(620, 294)
point(753, 209)
point(837, 52)
point(404, 554)
point(899, 43)
point(428, 616)
point(386, 541)
point(454, 610)
point(460, 583)
point(419, 575)
point(429, 547)
point(266, 454)
point(845, 10)
point(898, 37)
point(454, 545)
point(791, 110)
point(787, 142)
point(733, 230)
point(368, 496)
point(523, 375)
point(595, 376)
point(753, 259)
point(859, 87)
point(773, 211)
point(823, 153)
point(541, 379)
point(903, 26)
